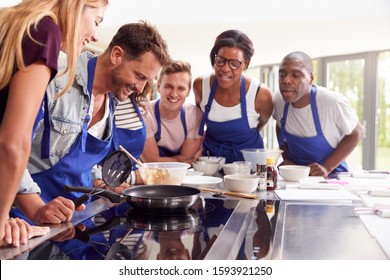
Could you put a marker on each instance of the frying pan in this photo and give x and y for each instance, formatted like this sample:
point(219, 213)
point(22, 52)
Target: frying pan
point(116, 168)
point(150, 197)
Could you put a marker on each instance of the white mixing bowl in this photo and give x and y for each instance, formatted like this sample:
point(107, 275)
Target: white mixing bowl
point(294, 172)
point(241, 182)
point(208, 168)
point(220, 160)
point(163, 173)
point(258, 156)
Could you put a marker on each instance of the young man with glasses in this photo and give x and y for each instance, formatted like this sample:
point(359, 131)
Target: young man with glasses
point(236, 106)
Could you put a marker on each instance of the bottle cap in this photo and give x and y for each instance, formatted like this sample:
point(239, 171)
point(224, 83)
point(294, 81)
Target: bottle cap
point(270, 160)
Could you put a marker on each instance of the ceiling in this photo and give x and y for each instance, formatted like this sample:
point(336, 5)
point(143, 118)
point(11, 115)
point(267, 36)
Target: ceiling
point(277, 27)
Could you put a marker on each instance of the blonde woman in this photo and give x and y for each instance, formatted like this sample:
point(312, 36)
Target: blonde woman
point(32, 34)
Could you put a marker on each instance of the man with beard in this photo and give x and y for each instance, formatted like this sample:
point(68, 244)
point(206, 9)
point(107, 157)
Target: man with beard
point(82, 135)
point(315, 126)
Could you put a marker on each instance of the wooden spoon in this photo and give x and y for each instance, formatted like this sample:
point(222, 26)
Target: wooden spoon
point(130, 155)
point(237, 194)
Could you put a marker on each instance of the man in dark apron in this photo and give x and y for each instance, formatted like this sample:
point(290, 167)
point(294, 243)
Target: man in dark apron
point(82, 135)
point(323, 129)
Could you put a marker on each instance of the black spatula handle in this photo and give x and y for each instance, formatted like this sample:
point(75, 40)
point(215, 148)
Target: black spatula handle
point(80, 200)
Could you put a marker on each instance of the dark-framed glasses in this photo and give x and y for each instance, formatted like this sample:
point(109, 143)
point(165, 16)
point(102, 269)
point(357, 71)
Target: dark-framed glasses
point(234, 64)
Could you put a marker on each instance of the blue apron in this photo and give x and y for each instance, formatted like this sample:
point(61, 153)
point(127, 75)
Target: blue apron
point(133, 140)
point(306, 150)
point(43, 113)
point(226, 139)
point(74, 169)
point(163, 151)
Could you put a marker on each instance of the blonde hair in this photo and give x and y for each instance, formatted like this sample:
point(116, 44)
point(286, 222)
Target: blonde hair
point(17, 20)
point(175, 66)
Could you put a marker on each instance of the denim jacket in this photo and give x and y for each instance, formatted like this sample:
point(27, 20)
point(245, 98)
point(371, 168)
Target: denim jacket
point(67, 115)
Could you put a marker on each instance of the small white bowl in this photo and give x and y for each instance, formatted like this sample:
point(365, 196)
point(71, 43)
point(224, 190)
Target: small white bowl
point(208, 168)
point(241, 182)
point(220, 160)
point(230, 168)
point(244, 167)
point(294, 173)
point(194, 173)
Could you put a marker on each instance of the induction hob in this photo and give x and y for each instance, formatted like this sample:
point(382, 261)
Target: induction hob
point(122, 233)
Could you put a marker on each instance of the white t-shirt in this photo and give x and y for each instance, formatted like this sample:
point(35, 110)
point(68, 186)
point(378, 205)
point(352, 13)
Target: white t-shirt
point(336, 115)
point(99, 129)
point(219, 113)
point(172, 131)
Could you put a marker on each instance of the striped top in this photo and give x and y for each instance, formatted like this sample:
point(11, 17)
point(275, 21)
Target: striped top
point(126, 116)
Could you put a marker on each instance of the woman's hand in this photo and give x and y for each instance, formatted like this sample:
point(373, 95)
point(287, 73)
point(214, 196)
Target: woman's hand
point(18, 232)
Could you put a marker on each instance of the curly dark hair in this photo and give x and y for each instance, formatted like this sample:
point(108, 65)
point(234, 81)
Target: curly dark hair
point(233, 39)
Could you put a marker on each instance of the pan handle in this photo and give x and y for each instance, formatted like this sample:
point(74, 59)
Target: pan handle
point(112, 196)
point(78, 189)
point(80, 200)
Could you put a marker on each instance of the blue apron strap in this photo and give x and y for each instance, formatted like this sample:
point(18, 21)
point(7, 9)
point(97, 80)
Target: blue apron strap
point(183, 121)
point(314, 110)
point(136, 107)
point(283, 126)
point(45, 145)
point(157, 136)
point(115, 136)
point(208, 107)
point(91, 76)
point(243, 99)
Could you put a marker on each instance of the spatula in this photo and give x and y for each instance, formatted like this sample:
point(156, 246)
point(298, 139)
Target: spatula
point(115, 170)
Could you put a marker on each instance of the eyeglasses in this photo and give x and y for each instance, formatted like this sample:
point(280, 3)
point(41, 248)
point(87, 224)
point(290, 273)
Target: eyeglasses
point(234, 64)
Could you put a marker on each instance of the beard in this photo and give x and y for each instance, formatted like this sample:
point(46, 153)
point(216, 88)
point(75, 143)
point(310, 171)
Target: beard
point(120, 89)
point(117, 82)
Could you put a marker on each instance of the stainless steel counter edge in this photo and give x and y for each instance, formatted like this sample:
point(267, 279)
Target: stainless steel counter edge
point(229, 241)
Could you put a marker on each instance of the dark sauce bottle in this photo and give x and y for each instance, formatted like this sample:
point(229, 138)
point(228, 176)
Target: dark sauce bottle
point(272, 175)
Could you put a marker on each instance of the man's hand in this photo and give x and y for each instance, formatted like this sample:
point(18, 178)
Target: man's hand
point(317, 169)
point(56, 211)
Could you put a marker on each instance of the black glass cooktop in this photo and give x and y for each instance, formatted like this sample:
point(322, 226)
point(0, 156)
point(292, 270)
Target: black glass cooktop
point(122, 233)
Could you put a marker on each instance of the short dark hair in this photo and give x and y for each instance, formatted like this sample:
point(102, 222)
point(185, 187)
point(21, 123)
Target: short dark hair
point(138, 38)
point(235, 39)
point(300, 56)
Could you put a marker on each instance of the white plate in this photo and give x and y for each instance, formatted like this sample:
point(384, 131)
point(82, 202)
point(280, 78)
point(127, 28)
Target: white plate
point(194, 173)
point(201, 181)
